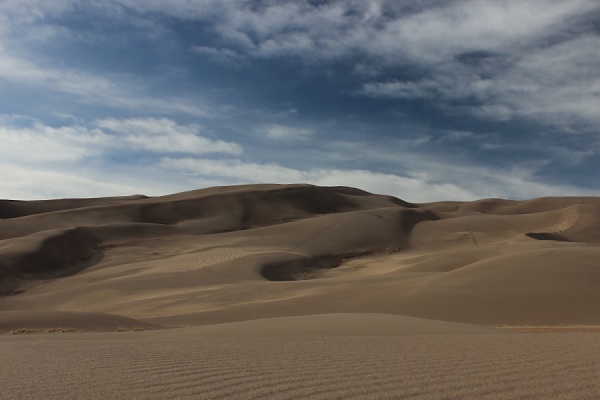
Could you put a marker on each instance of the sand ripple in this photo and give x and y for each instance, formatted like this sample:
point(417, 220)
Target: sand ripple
point(430, 367)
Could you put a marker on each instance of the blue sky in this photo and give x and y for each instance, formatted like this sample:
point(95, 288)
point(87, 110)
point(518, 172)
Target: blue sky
point(426, 100)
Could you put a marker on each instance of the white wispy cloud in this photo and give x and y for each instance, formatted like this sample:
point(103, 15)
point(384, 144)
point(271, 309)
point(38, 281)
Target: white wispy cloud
point(30, 183)
point(164, 135)
point(284, 132)
point(40, 161)
point(37, 143)
point(41, 143)
point(556, 84)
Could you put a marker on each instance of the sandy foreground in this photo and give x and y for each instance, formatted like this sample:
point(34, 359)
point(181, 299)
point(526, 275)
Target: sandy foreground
point(184, 364)
point(298, 291)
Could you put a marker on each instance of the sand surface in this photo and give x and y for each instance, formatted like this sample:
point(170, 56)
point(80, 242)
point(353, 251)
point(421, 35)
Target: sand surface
point(186, 365)
point(296, 291)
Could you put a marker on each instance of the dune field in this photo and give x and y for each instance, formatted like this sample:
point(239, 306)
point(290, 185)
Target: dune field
point(299, 291)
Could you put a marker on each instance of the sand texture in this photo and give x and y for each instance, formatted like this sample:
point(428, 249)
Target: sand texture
point(299, 291)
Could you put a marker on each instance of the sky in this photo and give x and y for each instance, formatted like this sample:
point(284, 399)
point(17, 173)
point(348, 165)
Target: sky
point(424, 100)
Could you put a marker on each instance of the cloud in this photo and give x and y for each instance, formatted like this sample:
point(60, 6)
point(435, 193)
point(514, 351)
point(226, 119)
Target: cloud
point(164, 136)
point(405, 187)
point(388, 31)
point(41, 161)
point(29, 183)
point(284, 133)
point(88, 88)
point(222, 55)
point(502, 60)
point(459, 136)
point(38, 143)
point(234, 170)
point(499, 60)
point(41, 143)
point(557, 85)
point(424, 89)
point(26, 26)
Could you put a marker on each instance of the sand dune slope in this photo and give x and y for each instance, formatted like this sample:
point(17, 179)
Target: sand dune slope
point(238, 253)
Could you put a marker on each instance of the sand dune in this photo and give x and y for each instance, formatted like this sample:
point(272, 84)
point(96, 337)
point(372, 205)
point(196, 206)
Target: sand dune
point(274, 262)
point(235, 253)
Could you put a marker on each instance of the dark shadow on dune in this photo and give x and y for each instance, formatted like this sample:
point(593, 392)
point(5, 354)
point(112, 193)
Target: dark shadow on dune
point(66, 253)
point(547, 236)
point(20, 208)
point(11, 293)
point(410, 218)
point(76, 265)
point(298, 268)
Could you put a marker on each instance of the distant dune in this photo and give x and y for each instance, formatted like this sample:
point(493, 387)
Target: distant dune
point(282, 261)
